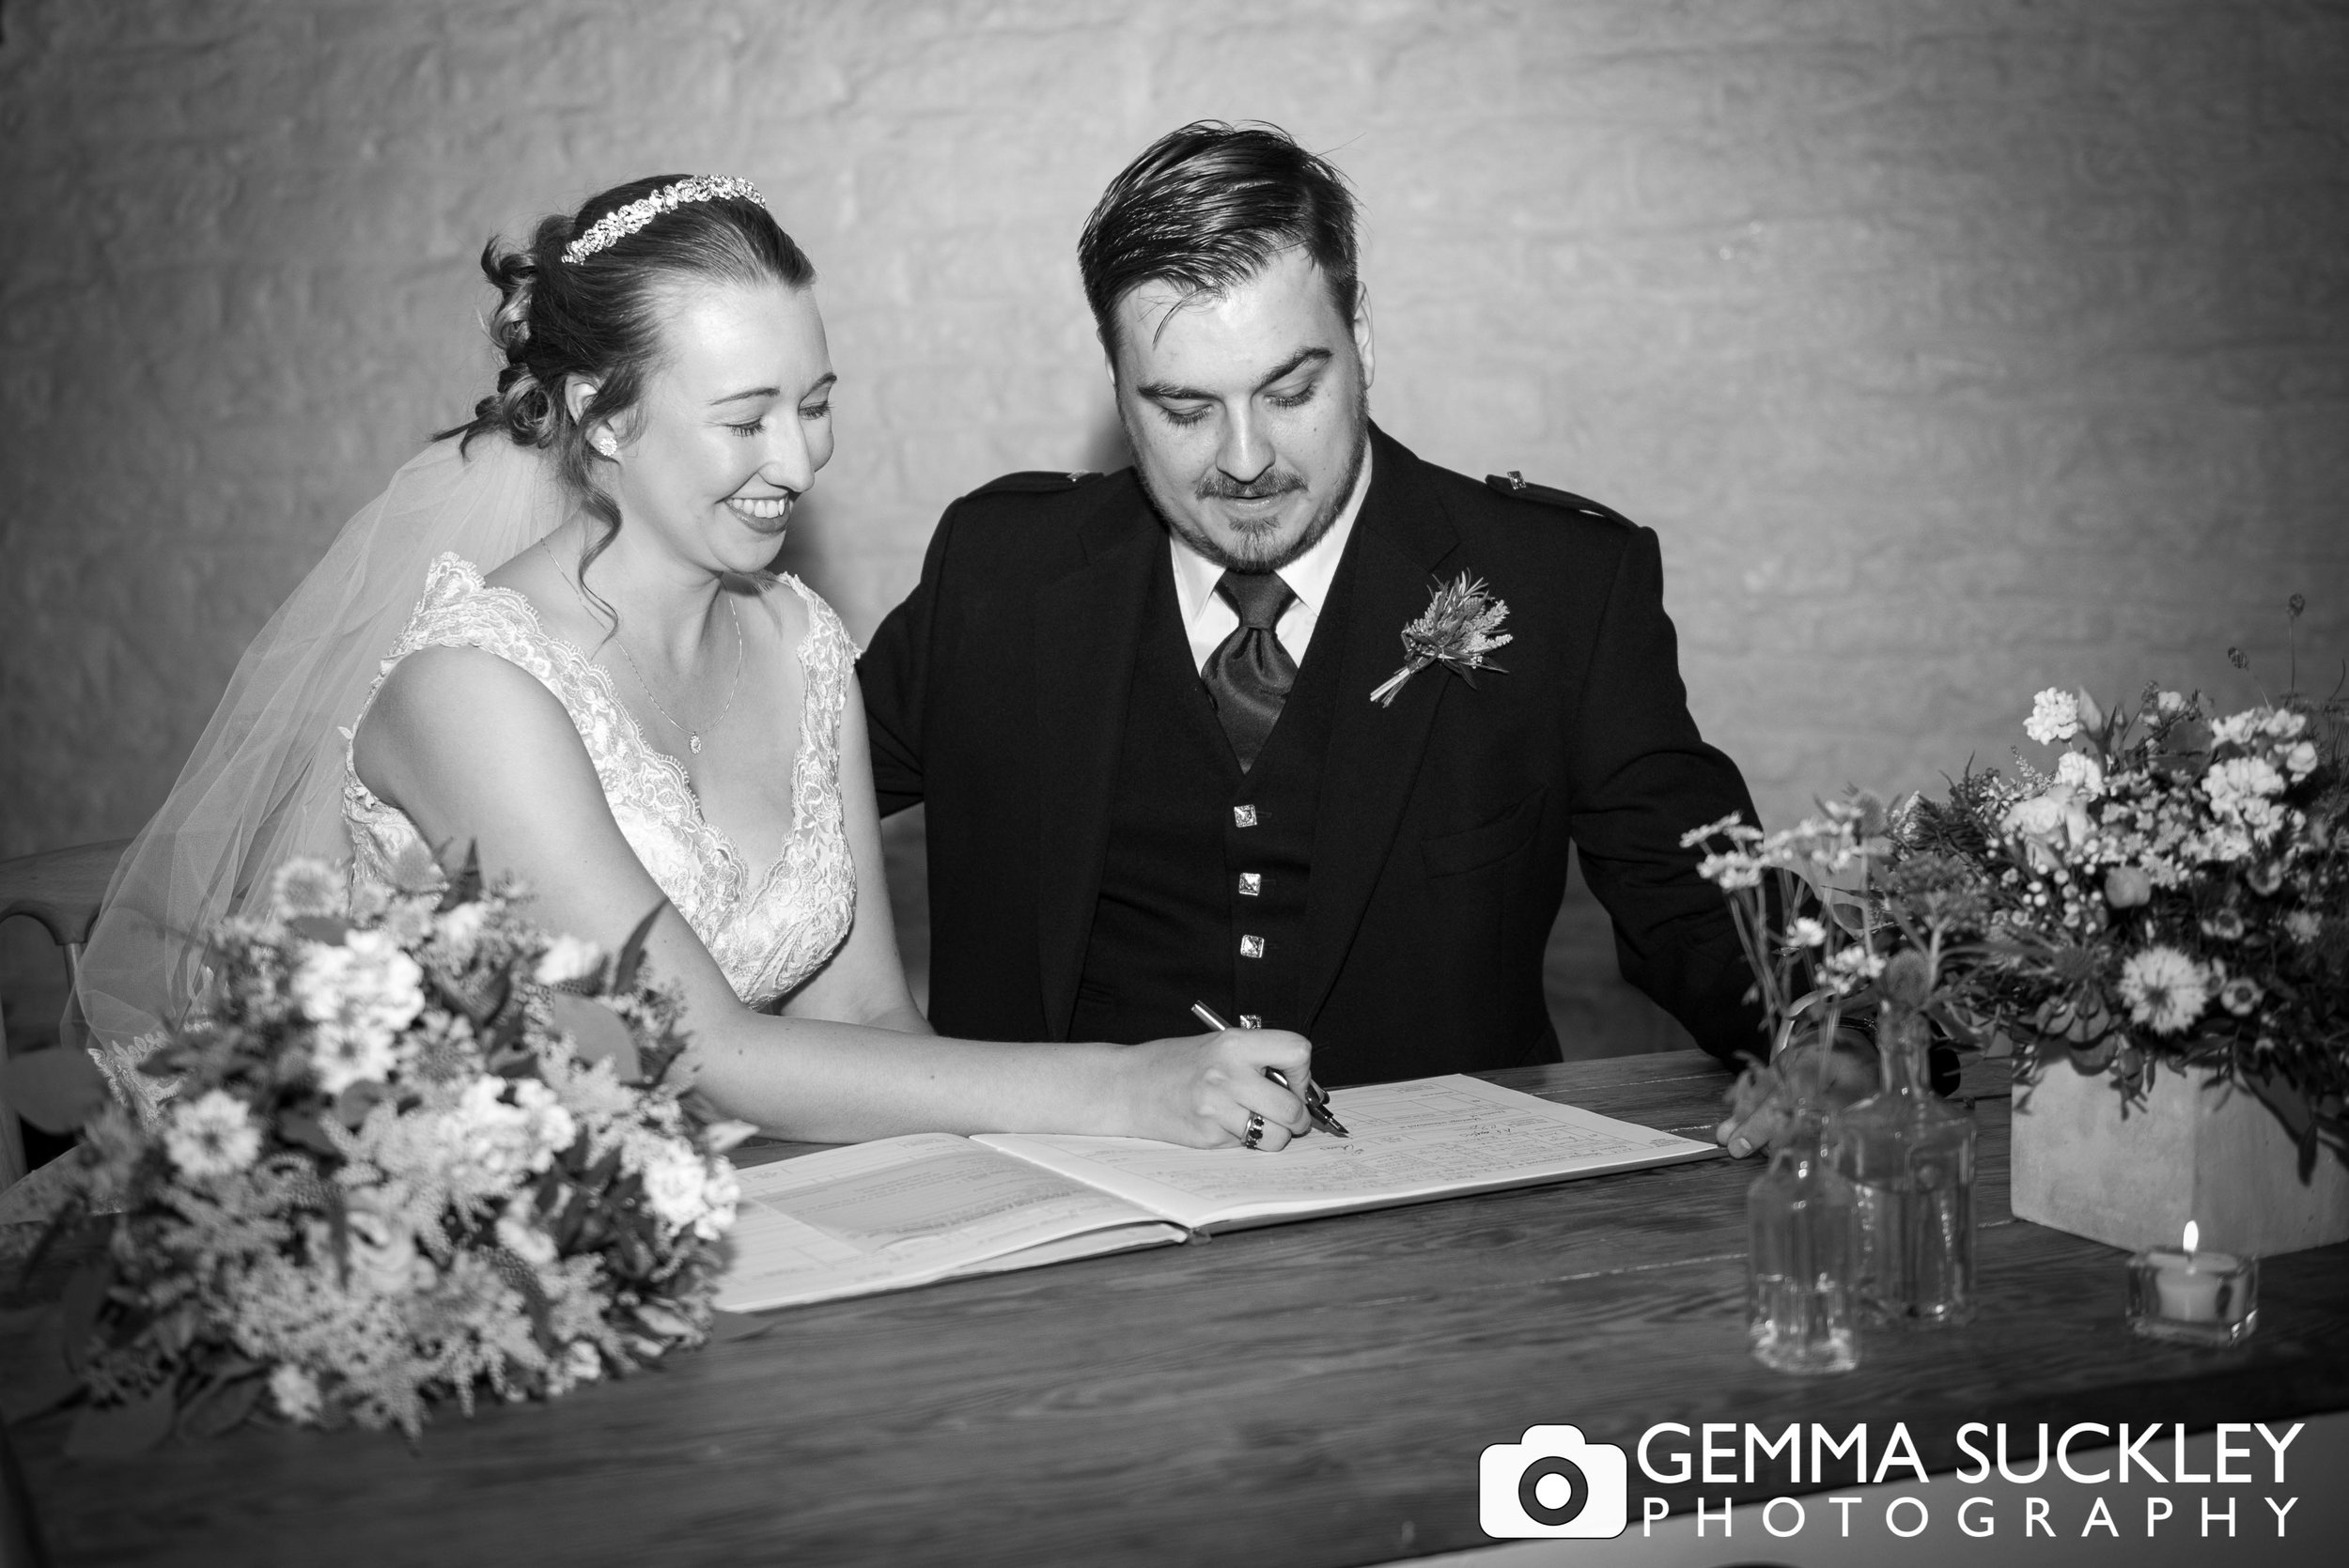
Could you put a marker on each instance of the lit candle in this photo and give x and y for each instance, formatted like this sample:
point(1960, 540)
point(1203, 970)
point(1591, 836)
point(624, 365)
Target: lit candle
point(2190, 1294)
point(2188, 1284)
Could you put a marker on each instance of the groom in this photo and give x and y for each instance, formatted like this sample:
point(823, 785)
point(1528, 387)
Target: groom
point(1139, 705)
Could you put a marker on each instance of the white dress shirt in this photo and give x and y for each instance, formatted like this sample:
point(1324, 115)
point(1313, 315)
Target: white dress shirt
point(1208, 618)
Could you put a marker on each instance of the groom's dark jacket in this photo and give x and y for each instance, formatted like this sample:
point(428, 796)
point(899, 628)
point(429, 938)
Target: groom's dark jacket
point(1011, 693)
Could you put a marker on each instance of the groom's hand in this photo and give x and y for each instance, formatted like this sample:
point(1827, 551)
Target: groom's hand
point(1200, 1089)
point(1762, 1102)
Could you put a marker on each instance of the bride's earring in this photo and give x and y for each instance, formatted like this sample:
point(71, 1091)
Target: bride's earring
point(605, 442)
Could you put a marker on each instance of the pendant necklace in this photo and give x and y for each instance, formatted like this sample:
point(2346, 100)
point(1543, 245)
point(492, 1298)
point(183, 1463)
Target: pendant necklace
point(692, 737)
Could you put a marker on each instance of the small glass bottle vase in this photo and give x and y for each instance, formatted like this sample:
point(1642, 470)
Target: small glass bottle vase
point(1909, 1157)
point(1801, 1232)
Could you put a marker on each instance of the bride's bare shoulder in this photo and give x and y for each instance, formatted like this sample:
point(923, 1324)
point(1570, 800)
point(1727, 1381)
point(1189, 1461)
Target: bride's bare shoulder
point(446, 692)
point(553, 602)
point(521, 573)
point(460, 718)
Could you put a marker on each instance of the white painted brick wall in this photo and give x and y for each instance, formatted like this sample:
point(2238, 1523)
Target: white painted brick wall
point(1955, 349)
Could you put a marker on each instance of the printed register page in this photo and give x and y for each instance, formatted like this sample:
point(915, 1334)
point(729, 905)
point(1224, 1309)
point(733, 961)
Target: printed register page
point(1429, 1138)
point(904, 1211)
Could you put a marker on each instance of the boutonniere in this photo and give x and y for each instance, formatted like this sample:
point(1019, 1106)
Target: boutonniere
point(1456, 631)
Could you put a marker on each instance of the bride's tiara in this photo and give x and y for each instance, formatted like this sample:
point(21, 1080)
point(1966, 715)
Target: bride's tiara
point(621, 221)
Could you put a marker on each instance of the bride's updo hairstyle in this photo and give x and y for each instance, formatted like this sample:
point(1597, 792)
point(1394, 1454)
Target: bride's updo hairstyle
point(584, 299)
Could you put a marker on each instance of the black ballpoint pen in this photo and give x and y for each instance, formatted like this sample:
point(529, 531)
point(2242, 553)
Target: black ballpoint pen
point(1316, 1101)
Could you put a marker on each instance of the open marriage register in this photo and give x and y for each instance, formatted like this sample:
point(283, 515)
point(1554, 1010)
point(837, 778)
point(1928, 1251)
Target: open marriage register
point(904, 1211)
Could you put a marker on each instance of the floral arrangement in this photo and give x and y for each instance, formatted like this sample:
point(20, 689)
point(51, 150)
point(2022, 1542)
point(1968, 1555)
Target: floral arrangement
point(411, 1147)
point(2174, 889)
point(1809, 953)
point(1459, 627)
point(1799, 897)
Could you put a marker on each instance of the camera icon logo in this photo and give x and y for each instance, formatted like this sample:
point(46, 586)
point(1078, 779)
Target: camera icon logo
point(1552, 1483)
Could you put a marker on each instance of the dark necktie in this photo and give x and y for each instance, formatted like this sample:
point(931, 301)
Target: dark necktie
point(1249, 673)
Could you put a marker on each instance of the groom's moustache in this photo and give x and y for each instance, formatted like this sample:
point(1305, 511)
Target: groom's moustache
point(1217, 488)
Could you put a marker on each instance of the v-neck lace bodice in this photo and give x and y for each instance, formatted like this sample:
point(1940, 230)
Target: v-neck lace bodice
point(768, 933)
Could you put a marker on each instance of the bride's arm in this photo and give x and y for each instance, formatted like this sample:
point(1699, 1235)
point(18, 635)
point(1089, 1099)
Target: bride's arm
point(477, 752)
point(865, 981)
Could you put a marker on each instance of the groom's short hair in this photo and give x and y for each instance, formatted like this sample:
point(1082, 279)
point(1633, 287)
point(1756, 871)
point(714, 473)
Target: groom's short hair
point(1208, 205)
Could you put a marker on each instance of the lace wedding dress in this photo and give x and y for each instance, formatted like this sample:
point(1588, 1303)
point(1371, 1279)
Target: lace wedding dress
point(769, 927)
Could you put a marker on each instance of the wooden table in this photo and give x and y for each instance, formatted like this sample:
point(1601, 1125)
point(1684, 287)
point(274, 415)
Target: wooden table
point(1313, 1393)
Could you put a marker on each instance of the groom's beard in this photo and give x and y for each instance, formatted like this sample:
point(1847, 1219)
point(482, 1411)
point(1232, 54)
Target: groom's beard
point(1257, 549)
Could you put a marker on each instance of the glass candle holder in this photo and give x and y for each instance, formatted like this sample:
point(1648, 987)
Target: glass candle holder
point(2193, 1297)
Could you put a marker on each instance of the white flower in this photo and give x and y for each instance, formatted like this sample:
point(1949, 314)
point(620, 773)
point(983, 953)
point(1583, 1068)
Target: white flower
point(582, 1361)
point(551, 1126)
point(381, 1245)
point(578, 1362)
point(2055, 715)
point(361, 993)
point(1725, 826)
point(1806, 932)
point(296, 1394)
point(2169, 702)
point(2299, 760)
point(2127, 886)
point(501, 1143)
point(446, 1035)
point(2050, 822)
point(674, 1183)
point(213, 1135)
point(681, 1187)
point(2240, 996)
point(2165, 989)
point(1731, 871)
point(306, 885)
point(344, 1056)
point(720, 1194)
point(2235, 728)
point(2081, 773)
point(568, 958)
point(2227, 845)
point(525, 1240)
point(1848, 967)
point(2282, 724)
point(459, 929)
point(2303, 925)
point(2041, 816)
point(2240, 790)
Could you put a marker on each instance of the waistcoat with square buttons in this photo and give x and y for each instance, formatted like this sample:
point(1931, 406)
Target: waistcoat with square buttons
point(1204, 889)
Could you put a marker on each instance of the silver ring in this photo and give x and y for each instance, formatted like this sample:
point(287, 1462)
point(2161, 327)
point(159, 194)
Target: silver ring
point(1255, 1131)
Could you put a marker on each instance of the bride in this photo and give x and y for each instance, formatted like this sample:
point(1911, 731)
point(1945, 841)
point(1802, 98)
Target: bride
point(626, 709)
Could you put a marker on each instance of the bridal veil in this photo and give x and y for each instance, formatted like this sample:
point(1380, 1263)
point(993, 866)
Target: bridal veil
point(265, 783)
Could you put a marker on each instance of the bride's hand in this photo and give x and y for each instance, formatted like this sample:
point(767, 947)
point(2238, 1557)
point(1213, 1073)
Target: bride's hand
point(1198, 1090)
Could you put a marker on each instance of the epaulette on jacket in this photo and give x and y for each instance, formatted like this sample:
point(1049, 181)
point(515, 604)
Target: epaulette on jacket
point(1514, 483)
point(1036, 482)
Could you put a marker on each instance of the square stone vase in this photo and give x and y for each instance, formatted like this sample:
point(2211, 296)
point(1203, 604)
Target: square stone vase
point(2196, 1149)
